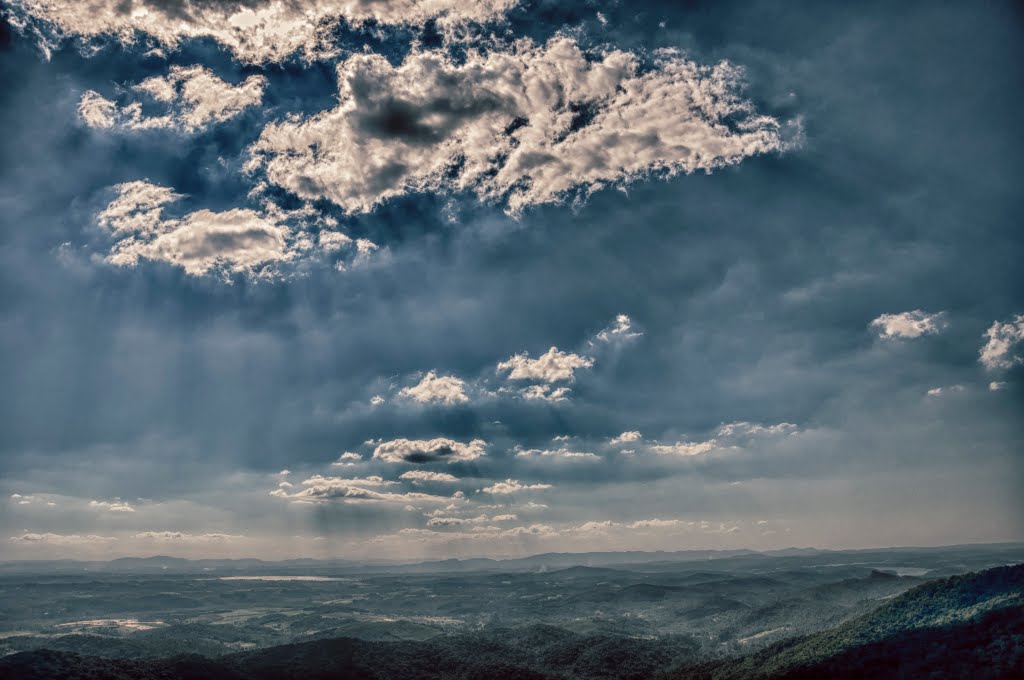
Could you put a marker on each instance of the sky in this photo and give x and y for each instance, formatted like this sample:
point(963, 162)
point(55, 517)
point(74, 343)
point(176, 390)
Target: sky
point(416, 279)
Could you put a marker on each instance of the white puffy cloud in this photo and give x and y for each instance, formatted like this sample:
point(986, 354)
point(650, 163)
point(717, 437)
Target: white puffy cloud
point(911, 324)
point(510, 486)
point(359, 490)
point(371, 481)
point(111, 506)
point(429, 450)
point(97, 111)
point(61, 539)
point(270, 30)
point(529, 126)
point(741, 428)
point(998, 351)
point(331, 241)
point(996, 385)
point(939, 391)
point(552, 366)
point(444, 389)
point(555, 453)
point(685, 449)
point(419, 476)
point(347, 459)
point(621, 331)
point(237, 240)
point(180, 537)
point(191, 98)
point(625, 438)
point(376, 400)
point(445, 521)
point(655, 523)
point(545, 393)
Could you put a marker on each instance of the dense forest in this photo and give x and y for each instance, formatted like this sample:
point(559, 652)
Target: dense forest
point(969, 626)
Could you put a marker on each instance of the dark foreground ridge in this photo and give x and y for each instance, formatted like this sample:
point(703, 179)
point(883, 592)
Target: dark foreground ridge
point(969, 626)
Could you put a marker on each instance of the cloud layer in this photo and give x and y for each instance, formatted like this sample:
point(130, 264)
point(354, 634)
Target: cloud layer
point(254, 31)
point(526, 127)
point(190, 98)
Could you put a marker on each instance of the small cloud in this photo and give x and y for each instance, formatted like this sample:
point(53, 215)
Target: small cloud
point(445, 389)
point(911, 324)
point(429, 450)
point(510, 486)
point(376, 400)
point(347, 459)
point(621, 331)
point(192, 98)
point(939, 391)
point(996, 385)
point(545, 393)
point(685, 449)
point(552, 366)
point(180, 537)
point(1002, 341)
point(61, 539)
point(419, 476)
point(563, 453)
point(111, 506)
point(625, 438)
point(746, 429)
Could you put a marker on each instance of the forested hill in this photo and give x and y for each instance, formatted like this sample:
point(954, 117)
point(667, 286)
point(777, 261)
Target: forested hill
point(969, 626)
point(963, 626)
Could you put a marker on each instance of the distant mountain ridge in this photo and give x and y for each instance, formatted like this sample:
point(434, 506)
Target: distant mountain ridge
point(533, 562)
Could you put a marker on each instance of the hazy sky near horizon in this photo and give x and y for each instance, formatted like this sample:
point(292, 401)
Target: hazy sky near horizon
point(426, 278)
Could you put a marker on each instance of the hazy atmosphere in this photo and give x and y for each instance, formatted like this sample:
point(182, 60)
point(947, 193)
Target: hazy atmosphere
point(432, 279)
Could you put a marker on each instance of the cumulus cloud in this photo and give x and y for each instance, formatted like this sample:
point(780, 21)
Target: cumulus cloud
point(111, 506)
point(655, 523)
point(555, 453)
point(545, 393)
point(190, 98)
point(733, 435)
point(180, 537)
point(371, 481)
point(625, 438)
point(253, 31)
point(1001, 343)
point(510, 486)
point(444, 389)
point(444, 521)
point(552, 366)
point(237, 240)
point(621, 331)
point(429, 450)
point(939, 391)
point(685, 449)
point(359, 490)
point(746, 429)
point(61, 539)
point(347, 459)
point(996, 385)
point(419, 476)
point(332, 241)
point(527, 127)
point(911, 324)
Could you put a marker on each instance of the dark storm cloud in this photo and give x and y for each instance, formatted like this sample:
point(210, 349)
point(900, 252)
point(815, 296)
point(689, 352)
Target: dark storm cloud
point(755, 288)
